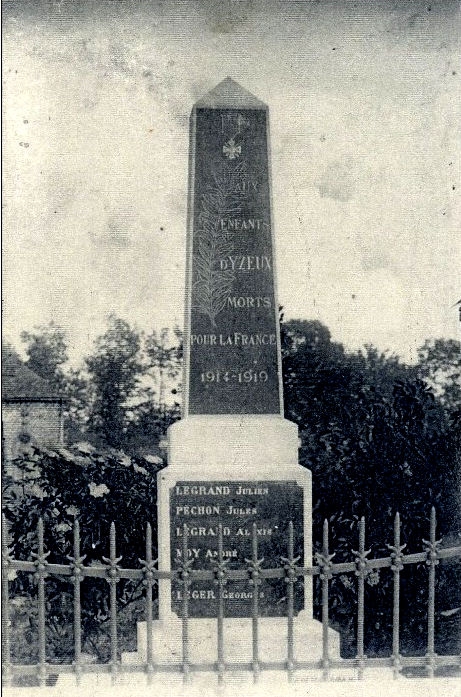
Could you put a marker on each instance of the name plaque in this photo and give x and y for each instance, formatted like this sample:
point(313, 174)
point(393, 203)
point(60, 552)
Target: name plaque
point(232, 346)
point(201, 506)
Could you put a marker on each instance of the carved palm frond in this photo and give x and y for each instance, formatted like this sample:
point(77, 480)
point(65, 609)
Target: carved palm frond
point(211, 285)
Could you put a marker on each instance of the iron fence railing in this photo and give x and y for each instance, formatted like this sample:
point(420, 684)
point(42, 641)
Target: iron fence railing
point(433, 552)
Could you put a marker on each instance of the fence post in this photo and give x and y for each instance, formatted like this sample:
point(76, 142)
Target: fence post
point(254, 572)
point(6, 647)
point(324, 561)
point(220, 581)
point(112, 575)
point(290, 580)
point(40, 576)
point(148, 571)
point(185, 575)
point(362, 570)
point(76, 578)
point(396, 567)
point(432, 549)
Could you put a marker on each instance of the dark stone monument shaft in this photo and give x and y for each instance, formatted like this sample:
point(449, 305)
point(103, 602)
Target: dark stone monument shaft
point(232, 341)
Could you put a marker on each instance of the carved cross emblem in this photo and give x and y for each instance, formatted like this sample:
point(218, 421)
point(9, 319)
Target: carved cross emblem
point(231, 150)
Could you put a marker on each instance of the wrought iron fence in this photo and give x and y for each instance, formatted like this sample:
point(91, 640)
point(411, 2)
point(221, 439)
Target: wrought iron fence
point(433, 552)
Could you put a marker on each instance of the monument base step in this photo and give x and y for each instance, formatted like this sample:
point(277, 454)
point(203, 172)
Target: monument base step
point(376, 682)
point(238, 638)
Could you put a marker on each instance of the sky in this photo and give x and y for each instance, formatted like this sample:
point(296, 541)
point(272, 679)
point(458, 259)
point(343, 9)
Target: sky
point(364, 101)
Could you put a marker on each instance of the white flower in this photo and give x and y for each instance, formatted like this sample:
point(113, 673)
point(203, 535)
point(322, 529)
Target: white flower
point(373, 578)
point(35, 490)
point(98, 490)
point(80, 460)
point(153, 459)
point(18, 601)
point(72, 510)
point(63, 527)
point(66, 454)
point(139, 469)
point(84, 447)
point(346, 581)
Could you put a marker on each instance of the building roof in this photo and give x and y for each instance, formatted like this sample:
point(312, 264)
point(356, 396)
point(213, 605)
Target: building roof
point(19, 383)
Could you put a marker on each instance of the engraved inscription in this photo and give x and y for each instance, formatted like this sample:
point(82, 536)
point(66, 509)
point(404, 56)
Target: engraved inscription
point(199, 508)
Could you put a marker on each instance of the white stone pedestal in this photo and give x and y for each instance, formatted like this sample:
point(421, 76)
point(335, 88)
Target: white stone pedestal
point(229, 448)
point(232, 448)
point(202, 633)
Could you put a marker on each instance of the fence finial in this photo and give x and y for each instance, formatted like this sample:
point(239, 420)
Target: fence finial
point(112, 540)
point(148, 542)
point(325, 536)
point(433, 524)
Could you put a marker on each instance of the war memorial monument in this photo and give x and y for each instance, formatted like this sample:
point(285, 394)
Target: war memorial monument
point(232, 458)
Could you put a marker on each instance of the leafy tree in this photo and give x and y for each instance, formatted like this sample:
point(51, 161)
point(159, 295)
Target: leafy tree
point(440, 366)
point(376, 440)
point(146, 432)
point(115, 370)
point(126, 393)
point(77, 395)
point(164, 358)
point(157, 406)
point(46, 348)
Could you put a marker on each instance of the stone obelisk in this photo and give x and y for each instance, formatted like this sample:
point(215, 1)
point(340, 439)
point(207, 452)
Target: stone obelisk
point(232, 458)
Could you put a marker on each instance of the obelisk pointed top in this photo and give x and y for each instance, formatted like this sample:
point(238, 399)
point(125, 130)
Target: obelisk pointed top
point(228, 94)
